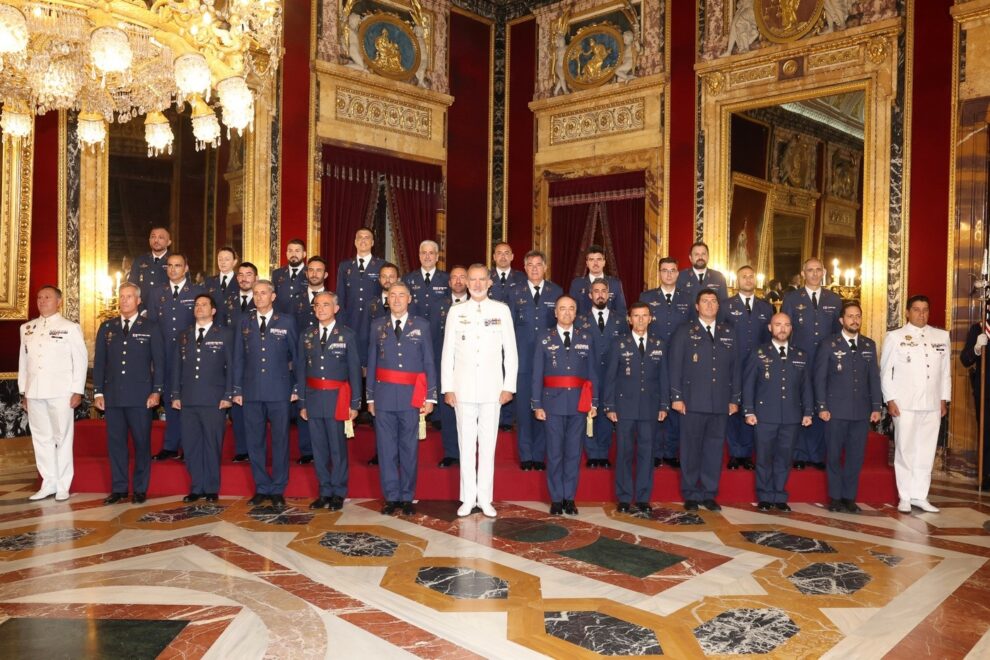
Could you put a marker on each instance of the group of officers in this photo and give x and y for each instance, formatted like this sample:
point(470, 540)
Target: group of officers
point(673, 375)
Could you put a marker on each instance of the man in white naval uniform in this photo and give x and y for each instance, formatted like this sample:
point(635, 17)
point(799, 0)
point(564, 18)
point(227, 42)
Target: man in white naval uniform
point(479, 345)
point(915, 375)
point(51, 377)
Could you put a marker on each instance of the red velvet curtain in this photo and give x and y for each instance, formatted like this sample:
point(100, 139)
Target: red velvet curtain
point(569, 225)
point(348, 194)
point(413, 206)
point(626, 222)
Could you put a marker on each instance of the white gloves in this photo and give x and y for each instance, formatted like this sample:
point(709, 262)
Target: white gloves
point(981, 341)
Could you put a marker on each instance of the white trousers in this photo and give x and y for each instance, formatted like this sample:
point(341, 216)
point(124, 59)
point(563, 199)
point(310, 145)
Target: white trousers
point(52, 429)
point(915, 440)
point(477, 432)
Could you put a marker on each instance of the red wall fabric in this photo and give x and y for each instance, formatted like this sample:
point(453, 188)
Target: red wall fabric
point(44, 230)
point(295, 122)
point(519, 168)
point(467, 140)
point(930, 139)
point(680, 199)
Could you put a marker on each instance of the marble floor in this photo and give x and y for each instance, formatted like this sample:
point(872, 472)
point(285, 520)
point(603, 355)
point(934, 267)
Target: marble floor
point(227, 580)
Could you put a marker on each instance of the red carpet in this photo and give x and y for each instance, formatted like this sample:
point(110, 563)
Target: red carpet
point(170, 477)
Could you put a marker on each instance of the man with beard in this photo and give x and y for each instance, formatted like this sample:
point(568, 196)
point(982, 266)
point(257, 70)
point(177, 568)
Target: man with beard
point(700, 277)
point(316, 277)
point(438, 325)
point(240, 305)
point(502, 275)
point(427, 282)
point(148, 269)
point(581, 286)
point(290, 280)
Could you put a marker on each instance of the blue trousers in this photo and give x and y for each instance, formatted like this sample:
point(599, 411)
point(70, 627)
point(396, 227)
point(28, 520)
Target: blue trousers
point(530, 433)
point(702, 436)
point(740, 437)
point(448, 434)
point(397, 438)
point(597, 446)
point(136, 420)
point(811, 442)
point(329, 455)
point(203, 427)
point(774, 454)
point(563, 454)
point(276, 413)
point(667, 442)
point(848, 436)
point(240, 433)
point(173, 417)
point(636, 439)
point(302, 428)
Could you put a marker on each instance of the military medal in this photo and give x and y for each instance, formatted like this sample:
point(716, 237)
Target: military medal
point(838, 366)
point(766, 374)
point(694, 358)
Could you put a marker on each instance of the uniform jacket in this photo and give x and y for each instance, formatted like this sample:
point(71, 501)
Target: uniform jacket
point(616, 326)
point(424, 296)
point(752, 328)
point(705, 374)
point(916, 367)
point(550, 358)
point(501, 292)
point(203, 374)
point(232, 310)
point(581, 292)
point(263, 365)
point(220, 296)
point(812, 325)
point(637, 387)
point(687, 282)
point(126, 370)
point(173, 315)
point(847, 383)
point(355, 290)
point(338, 359)
point(413, 352)
point(531, 319)
point(302, 309)
point(287, 288)
point(147, 274)
point(667, 317)
point(776, 390)
point(53, 359)
point(479, 346)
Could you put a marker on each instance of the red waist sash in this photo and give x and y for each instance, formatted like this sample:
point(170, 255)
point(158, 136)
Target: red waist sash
point(565, 382)
point(343, 410)
point(415, 378)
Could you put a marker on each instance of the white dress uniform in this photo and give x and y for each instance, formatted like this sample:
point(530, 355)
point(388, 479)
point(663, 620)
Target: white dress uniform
point(915, 373)
point(51, 368)
point(478, 362)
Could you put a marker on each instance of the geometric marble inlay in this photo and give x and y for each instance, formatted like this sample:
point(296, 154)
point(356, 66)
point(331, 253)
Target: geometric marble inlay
point(745, 630)
point(182, 513)
point(830, 578)
point(462, 582)
point(526, 530)
point(890, 560)
point(789, 542)
point(359, 544)
point(674, 517)
point(602, 633)
point(41, 538)
point(83, 638)
point(272, 516)
point(623, 557)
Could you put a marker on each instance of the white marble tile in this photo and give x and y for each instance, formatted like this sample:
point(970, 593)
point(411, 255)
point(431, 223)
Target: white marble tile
point(848, 619)
point(955, 517)
point(981, 650)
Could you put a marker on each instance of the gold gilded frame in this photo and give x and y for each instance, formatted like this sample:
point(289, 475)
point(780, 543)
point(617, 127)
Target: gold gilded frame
point(376, 19)
point(765, 187)
point(858, 59)
point(15, 227)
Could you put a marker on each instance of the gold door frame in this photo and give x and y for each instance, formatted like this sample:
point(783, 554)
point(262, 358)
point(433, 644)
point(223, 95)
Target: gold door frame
point(859, 59)
point(15, 227)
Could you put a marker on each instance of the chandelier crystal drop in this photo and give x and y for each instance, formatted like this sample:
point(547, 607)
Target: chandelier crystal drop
point(237, 103)
point(206, 128)
point(16, 121)
point(13, 30)
point(110, 50)
point(192, 75)
point(158, 134)
point(91, 131)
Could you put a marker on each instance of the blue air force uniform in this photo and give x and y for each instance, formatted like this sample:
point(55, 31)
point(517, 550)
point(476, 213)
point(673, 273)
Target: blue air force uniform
point(636, 389)
point(668, 315)
point(424, 294)
point(530, 319)
point(565, 424)
point(288, 289)
point(502, 290)
point(581, 292)
point(777, 389)
point(690, 284)
point(173, 312)
point(334, 359)
point(597, 446)
point(847, 385)
point(239, 306)
point(263, 376)
point(812, 323)
point(396, 419)
point(357, 288)
point(705, 373)
point(203, 376)
point(127, 369)
point(148, 272)
point(448, 418)
point(302, 308)
point(221, 293)
point(752, 329)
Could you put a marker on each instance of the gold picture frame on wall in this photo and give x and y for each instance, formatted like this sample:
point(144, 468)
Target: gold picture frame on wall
point(15, 227)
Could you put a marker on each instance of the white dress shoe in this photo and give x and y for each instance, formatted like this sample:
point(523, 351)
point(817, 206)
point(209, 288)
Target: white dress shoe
point(489, 510)
point(41, 494)
point(924, 505)
point(62, 496)
point(904, 506)
point(465, 509)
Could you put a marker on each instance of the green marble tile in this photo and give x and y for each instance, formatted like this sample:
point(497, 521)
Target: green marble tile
point(527, 530)
point(623, 557)
point(106, 639)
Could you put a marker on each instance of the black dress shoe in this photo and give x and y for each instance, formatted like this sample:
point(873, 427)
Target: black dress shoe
point(623, 507)
point(139, 498)
point(336, 503)
point(733, 464)
point(258, 499)
point(604, 463)
point(505, 427)
point(748, 464)
point(113, 498)
point(782, 506)
point(212, 497)
point(191, 497)
point(764, 506)
point(437, 425)
point(591, 463)
point(448, 461)
point(556, 508)
point(851, 506)
point(278, 501)
point(799, 465)
point(539, 466)
point(389, 508)
point(305, 459)
point(374, 460)
point(836, 505)
point(712, 505)
point(657, 462)
point(526, 466)
point(319, 503)
point(819, 465)
point(240, 458)
point(165, 454)
point(569, 508)
point(408, 509)
point(673, 462)
point(644, 507)
point(690, 505)
point(364, 417)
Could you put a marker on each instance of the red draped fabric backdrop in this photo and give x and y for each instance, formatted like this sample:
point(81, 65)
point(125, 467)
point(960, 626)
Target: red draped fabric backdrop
point(349, 202)
point(607, 209)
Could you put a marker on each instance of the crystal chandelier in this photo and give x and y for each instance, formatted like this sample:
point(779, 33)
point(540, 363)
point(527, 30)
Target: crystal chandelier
point(114, 60)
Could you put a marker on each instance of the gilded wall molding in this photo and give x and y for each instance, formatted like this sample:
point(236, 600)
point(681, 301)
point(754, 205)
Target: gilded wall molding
point(359, 107)
point(15, 227)
point(597, 122)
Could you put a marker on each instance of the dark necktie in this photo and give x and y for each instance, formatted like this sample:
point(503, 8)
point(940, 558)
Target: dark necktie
point(567, 339)
point(642, 347)
point(711, 335)
point(669, 298)
point(199, 339)
point(749, 305)
point(158, 260)
point(313, 298)
point(294, 272)
point(701, 279)
point(601, 321)
point(323, 339)
point(243, 303)
point(385, 302)
point(175, 292)
point(783, 353)
point(426, 279)
point(457, 300)
point(361, 265)
point(536, 296)
point(264, 325)
point(503, 279)
point(127, 327)
point(852, 344)
point(223, 283)
point(398, 328)
point(814, 299)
